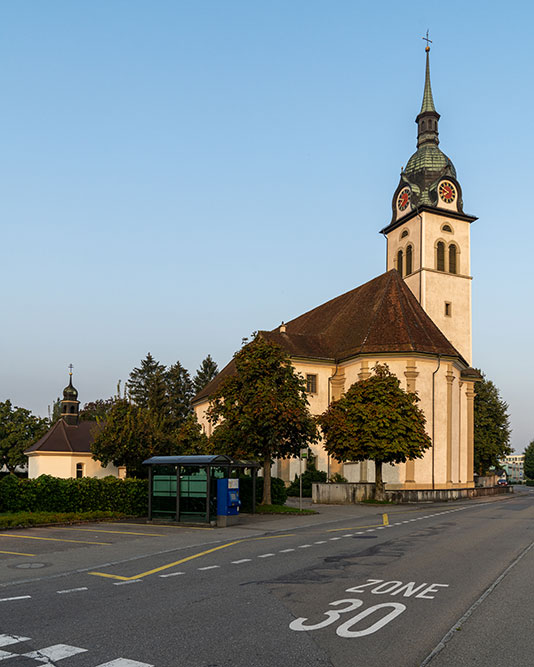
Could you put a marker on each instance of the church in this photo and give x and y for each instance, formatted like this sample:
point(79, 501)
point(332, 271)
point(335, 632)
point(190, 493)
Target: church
point(415, 317)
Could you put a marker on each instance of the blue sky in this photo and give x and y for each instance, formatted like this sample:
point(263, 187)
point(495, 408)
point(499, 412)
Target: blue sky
point(175, 175)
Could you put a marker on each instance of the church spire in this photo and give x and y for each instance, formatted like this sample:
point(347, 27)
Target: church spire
point(428, 100)
point(427, 120)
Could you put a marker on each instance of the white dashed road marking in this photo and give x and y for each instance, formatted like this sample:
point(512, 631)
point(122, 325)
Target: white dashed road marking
point(243, 560)
point(265, 555)
point(73, 590)
point(19, 597)
point(209, 567)
point(286, 551)
point(123, 583)
point(171, 574)
point(122, 662)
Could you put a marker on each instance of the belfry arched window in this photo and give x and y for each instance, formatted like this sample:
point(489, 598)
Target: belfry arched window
point(409, 261)
point(399, 262)
point(440, 256)
point(452, 258)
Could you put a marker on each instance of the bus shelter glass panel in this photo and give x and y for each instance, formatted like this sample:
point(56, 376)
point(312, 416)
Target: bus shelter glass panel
point(193, 493)
point(164, 491)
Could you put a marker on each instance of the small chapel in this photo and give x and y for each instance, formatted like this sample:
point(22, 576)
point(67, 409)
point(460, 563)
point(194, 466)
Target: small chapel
point(65, 449)
point(415, 317)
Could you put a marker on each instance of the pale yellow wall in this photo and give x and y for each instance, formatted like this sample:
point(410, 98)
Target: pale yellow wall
point(395, 475)
point(431, 287)
point(64, 465)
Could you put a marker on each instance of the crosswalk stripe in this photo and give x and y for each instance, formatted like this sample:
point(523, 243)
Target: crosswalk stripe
point(51, 654)
point(6, 640)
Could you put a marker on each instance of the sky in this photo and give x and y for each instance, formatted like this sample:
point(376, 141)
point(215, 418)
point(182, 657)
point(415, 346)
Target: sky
point(175, 175)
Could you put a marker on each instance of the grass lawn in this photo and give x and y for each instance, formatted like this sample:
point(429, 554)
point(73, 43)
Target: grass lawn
point(25, 519)
point(281, 509)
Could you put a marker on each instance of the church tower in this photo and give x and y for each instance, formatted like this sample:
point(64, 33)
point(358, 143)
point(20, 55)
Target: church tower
point(428, 238)
point(70, 404)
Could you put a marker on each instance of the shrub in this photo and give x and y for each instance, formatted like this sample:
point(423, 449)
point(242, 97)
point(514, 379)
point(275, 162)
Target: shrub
point(87, 494)
point(308, 477)
point(278, 492)
point(338, 479)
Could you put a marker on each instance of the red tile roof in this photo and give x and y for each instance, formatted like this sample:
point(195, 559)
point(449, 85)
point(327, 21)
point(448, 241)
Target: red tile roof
point(64, 438)
point(380, 316)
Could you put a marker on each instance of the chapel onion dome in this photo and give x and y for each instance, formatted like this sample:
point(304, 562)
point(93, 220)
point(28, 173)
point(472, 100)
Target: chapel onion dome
point(70, 393)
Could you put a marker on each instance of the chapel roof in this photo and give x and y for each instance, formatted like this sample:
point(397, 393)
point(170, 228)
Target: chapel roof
point(381, 316)
point(63, 437)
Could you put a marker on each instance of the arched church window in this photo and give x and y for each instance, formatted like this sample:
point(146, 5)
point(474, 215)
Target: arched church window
point(452, 258)
point(404, 234)
point(440, 259)
point(446, 228)
point(423, 125)
point(409, 268)
point(399, 262)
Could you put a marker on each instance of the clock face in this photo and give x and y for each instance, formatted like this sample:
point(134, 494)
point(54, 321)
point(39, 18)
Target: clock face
point(447, 192)
point(404, 199)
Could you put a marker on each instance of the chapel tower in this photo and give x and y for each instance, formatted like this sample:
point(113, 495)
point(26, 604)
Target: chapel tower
point(428, 238)
point(70, 404)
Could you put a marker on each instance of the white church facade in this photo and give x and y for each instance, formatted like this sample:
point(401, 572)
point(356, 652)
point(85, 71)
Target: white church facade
point(415, 317)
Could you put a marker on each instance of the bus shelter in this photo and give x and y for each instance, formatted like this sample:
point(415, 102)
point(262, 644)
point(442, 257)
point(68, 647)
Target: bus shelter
point(184, 488)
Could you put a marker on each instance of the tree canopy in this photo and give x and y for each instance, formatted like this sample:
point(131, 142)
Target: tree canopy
point(377, 420)
point(261, 412)
point(528, 466)
point(492, 427)
point(19, 429)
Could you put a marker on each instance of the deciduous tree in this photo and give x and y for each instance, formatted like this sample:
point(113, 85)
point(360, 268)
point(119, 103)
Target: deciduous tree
point(19, 429)
point(129, 435)
point(377, 420)
point(492, 427)
point(261, 412)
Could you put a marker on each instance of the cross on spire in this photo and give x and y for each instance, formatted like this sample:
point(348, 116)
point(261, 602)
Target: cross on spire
point(428, 41)
point(70, 369)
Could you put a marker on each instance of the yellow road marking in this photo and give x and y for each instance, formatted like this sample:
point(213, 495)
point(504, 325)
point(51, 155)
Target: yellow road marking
point(385, 522)
point(184, 560)
point(118, 532)
point(165, 567)
point(51, 539)
point(15, 553)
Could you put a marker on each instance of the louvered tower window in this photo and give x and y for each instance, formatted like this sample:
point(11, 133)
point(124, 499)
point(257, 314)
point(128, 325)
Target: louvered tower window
point(399, 262)
point(452, 258)
point(441, 256)
point(409, 267)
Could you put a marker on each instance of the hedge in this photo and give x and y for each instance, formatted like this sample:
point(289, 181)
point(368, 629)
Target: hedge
point(308, 478)
point(87, 494)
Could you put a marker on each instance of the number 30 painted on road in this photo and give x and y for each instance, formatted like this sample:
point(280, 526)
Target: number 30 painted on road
point(344, 630)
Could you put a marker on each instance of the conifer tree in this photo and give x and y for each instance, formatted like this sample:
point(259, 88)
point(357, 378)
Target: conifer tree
point(528, 466)
point(205, 374)
point(145, 381)
point(179, 393)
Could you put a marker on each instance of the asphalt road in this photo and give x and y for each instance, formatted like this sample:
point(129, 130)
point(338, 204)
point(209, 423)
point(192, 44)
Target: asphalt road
point(442, 585)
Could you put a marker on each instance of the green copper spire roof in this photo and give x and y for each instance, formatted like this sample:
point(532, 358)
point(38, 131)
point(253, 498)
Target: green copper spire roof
point(428, 101)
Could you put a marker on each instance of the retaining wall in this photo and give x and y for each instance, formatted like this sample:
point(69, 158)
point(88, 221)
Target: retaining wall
point(350, 493)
